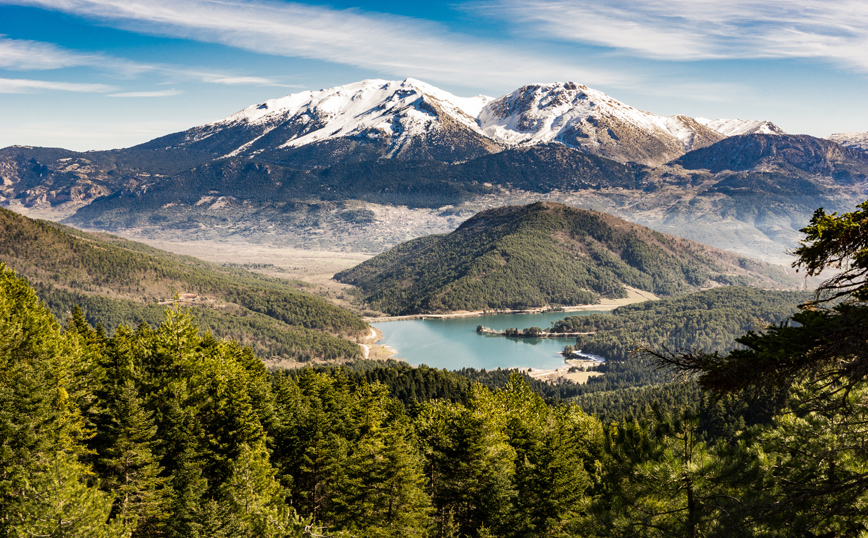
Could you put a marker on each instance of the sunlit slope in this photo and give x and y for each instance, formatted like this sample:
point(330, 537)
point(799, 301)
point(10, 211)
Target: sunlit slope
point(119, 281)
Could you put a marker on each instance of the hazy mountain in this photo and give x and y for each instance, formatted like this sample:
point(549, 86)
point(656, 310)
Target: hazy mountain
point(545, 253)
point(851, 140)
point(785, 153)
point(365, 121)
point(407, 159)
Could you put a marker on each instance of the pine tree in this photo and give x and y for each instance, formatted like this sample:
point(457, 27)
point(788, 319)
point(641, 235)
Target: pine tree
point(45, 488)
point(255, 499)
point(132, 471)
point(381, 492)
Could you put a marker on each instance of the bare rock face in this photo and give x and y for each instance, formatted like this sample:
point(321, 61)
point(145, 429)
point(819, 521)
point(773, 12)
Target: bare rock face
point(43, 178)
point(586, 119)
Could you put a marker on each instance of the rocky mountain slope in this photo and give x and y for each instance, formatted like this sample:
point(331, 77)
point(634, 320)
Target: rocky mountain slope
point(544, 253)
point(785, 153)
point(363, 121)
point(580, 117)
point(368, 165)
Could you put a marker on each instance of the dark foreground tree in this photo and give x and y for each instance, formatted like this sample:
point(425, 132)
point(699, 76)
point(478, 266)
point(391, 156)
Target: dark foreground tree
point(813, 368)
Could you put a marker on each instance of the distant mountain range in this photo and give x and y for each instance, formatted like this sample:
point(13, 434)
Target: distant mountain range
point(542, 254)
point(405, 159)
point(851, 140)
point(410, 119)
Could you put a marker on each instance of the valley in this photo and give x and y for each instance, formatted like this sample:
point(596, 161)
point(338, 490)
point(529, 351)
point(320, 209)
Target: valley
point(272, 324)
point(366, 166)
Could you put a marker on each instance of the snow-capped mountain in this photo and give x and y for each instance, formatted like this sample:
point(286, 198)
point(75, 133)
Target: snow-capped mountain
point(409, 119)
point(851, 140)
point(362, 121)
point(741, 127)
point(581, 117)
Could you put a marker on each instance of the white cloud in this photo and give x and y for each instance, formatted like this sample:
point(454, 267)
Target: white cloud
point(699, 29)
point(236, 80)
point(33, 55)
point(160, 93)
point(387, 43)
point(17, 85)
point(25, 55)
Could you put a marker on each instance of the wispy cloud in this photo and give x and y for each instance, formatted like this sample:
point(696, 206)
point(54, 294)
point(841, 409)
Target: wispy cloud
point(17, 85)
point(33, 55)
point(387, 43)
point(25, 55)
point(699, 29)
point(236, 80)
point(159, 93)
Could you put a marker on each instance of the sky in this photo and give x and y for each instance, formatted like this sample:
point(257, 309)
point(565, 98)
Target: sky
point(102, 74)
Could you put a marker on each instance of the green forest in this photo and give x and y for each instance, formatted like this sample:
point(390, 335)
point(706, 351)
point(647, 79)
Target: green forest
point(168, 431)
point(707, 320)
point(115, 281)
point(544, 254)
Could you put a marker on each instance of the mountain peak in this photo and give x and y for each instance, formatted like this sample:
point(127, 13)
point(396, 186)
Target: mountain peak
point(577, 116)
point(411, 119)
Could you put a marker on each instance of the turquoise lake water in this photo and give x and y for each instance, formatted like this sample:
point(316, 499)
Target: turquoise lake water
point(454, 343)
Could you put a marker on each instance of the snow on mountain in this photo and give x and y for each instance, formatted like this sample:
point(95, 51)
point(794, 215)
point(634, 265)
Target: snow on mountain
point(741, 127)
point(410, 119)
point(851, 140)
point(391, 113)
point(588, 119)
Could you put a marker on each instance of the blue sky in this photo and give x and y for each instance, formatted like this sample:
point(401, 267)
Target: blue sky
point(99, 74)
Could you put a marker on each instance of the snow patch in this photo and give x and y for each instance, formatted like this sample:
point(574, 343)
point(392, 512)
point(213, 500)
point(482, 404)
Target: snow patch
point(741, 127)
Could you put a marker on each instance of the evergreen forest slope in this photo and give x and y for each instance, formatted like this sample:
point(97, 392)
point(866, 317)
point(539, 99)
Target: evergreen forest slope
point(545, 254)
point(116, 281)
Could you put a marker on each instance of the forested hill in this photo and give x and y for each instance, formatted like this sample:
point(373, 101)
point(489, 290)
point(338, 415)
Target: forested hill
point(541, 254)
point(116, 281)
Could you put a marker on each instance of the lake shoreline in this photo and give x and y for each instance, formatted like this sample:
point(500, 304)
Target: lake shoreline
point(482, 313)
point(633, 296)
point(454, 344)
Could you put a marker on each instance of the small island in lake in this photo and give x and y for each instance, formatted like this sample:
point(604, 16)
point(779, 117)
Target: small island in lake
point(530, 332)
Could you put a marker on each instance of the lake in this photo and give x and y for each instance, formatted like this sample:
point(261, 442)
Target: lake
point(454, 344)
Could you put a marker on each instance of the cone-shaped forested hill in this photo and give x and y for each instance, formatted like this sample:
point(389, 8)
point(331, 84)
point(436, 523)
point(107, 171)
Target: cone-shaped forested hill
point(545, 254)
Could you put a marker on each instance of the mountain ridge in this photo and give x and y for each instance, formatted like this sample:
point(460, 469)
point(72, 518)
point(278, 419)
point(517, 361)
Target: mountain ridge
point(410, 119)
point(320, 192)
